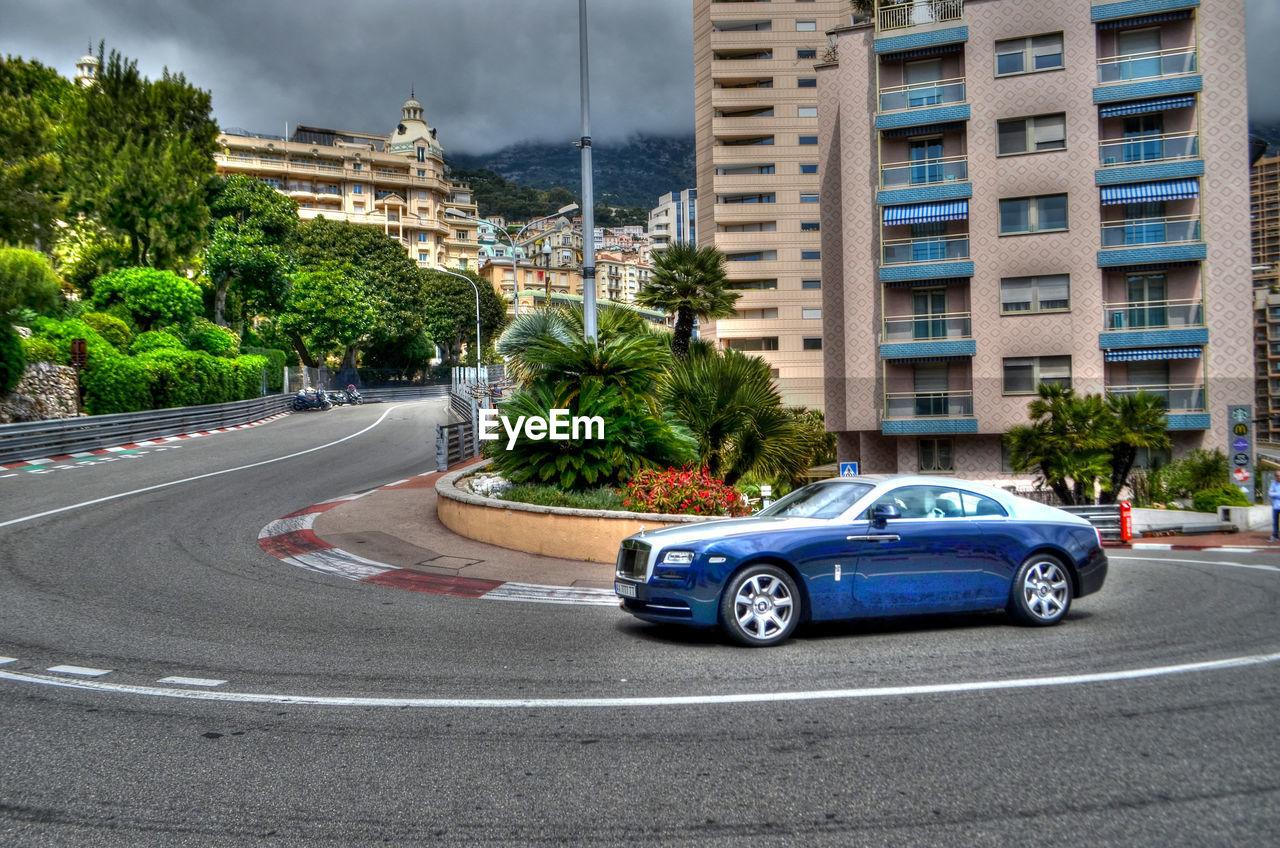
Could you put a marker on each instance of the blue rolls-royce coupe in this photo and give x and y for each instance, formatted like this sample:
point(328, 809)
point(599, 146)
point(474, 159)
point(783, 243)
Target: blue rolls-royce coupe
point(864, 546)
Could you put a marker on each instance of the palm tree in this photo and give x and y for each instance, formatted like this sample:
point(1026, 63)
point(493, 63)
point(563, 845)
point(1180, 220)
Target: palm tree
point(560, 327)
point(1067, 442)
point(1140, 422)
point(688, 282)
point(730, 405)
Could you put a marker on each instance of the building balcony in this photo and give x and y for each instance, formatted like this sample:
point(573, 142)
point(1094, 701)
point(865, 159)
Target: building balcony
point(1145, 241)
point(929, 249)
point(1130, 67)
point(922, 95)
point(1137, 316)
point(1152, 157)
point(913, 336)
point(1184, 403)
point(896, 17)
point(1110, 10)
point(924, 181)
point(927, 413)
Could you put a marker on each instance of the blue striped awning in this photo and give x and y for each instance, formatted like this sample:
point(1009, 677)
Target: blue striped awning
point(1143, 354)
point(923, 129)
point(1143, 192)
point(1137, 107)
point(924, 213)
point(1145, 19)
point(919, 52)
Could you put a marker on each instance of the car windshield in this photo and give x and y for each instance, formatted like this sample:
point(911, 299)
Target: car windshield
point(818, 501)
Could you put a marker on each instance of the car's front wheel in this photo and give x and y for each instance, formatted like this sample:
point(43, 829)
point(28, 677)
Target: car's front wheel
point(760, 606)
point(1041, 591)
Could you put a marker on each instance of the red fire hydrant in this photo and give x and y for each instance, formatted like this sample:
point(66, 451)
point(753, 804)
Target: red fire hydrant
point(1126, 522)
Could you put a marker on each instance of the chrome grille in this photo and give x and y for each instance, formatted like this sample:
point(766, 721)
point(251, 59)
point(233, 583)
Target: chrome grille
point(633, 560)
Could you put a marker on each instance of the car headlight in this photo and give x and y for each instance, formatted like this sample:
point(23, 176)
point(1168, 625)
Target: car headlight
point(678, 558)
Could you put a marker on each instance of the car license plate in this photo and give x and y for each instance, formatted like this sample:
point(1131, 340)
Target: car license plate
point(626, 590)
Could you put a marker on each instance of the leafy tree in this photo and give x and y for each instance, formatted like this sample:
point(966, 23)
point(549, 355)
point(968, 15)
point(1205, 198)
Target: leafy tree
point(87, 250)
point(1197, 471)
point(110, 328)
point(1140, 423)
point(13, 361)
point(251, 228)
point(327, 311)
point(729, 403)
point(138, 158)
point(151, 297)
point(32, 101)
point(450, 313)
point(27, 281)
point(688, 282)
point(1067, 443)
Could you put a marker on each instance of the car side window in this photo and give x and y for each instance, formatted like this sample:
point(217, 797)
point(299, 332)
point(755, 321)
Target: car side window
point(975, 505)
point(923, 502)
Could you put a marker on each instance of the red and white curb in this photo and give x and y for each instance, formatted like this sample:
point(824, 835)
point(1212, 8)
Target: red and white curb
point(1220, 549)
point(292, 540)
point(36, 464)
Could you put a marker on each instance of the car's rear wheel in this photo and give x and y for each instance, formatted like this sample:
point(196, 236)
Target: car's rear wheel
point(760, 606)
point(1041, 593)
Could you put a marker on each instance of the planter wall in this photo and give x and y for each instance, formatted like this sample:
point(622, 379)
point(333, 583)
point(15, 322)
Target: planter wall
point(583, 534)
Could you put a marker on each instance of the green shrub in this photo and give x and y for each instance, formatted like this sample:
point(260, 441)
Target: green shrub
point(205, 335)
point(36, 349)
point(27, 280)
point(114, 384)
point(686, 491)
point(1208, 500)
point(602, 498)
point(111, 328)
point(155, 340)
point(13, 361)
point(1199, 469)
point(276, 362)
point(247, 370)
point(152, 297)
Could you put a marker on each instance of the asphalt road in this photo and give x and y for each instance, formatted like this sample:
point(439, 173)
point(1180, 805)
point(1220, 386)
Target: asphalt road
point(356, 714)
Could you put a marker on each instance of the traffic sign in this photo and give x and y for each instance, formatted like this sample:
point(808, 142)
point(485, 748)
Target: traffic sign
point(1242, 475)
point(848, 469)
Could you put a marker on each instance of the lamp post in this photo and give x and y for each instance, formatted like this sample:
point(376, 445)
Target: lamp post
point(588, 195)
point(479, 347)
point(515, 267)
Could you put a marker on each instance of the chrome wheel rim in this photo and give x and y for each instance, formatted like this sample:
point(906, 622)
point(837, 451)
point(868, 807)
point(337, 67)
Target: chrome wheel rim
point(763, 606)
point(1045, 590)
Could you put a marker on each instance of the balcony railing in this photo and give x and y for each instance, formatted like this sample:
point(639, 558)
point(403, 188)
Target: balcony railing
point(919, 95)
point(1153, 314)
point(1178, 397)
point(917, 12)
point(1136, 66)
point(904, 328)
point(929, 404)
point(1139, 231)
point(929, 249)
point(1148, 148)
point(924, 172)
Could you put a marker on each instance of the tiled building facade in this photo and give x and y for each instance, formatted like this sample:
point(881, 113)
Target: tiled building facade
point(1016, 193)
point(1265, 194)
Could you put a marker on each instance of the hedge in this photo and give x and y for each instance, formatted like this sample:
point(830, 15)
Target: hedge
point(276, 362)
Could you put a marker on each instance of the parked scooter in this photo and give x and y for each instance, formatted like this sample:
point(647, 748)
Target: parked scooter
point(337, 398)
point(353, 394)
point(311, 399)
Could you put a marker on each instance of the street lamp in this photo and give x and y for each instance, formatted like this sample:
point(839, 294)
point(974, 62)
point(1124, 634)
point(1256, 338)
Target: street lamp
point(479, 347)
point(515, 267)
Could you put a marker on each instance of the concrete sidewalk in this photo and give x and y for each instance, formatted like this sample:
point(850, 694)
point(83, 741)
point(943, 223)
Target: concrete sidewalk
point(396, 525)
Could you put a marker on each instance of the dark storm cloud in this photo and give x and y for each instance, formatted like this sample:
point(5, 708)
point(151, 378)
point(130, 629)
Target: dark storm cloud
point(488, 72)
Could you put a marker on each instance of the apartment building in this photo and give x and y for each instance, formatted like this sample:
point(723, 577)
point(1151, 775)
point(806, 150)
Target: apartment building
point(1017, 193)
point(396, 182)
point(756, 114)
point(675, 218)
point(1265, 213)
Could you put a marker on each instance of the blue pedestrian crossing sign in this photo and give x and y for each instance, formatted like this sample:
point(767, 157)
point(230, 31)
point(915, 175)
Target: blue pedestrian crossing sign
point(848, 469)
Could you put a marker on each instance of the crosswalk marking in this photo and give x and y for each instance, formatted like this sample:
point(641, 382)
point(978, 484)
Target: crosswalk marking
point(191, 681)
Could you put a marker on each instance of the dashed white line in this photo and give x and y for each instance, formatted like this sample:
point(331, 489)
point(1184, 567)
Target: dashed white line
point(190, 681)
point(7, 660)
point(79, 671)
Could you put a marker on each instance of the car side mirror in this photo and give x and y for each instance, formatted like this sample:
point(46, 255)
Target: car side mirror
point(882, 512)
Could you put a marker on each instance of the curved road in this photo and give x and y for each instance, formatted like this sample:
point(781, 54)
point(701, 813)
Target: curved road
point(382, 716)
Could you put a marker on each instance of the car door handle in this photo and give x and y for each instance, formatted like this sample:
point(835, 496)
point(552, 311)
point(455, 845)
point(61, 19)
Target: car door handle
point(892, 537)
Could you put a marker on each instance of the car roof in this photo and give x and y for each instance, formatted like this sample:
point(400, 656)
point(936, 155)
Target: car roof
point(924, 480)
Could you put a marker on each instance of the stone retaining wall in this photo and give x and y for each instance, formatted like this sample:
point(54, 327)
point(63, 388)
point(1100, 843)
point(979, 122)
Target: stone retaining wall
point(45, 391)
point(583, 534)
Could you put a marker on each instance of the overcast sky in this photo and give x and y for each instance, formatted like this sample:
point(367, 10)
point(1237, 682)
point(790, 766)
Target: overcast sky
point(488, 72)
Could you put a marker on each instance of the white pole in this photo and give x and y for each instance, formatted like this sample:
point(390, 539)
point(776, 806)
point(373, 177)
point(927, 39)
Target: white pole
point(588, 196)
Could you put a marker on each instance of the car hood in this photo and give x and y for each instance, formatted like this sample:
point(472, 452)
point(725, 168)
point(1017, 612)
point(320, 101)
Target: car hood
point(665, 537)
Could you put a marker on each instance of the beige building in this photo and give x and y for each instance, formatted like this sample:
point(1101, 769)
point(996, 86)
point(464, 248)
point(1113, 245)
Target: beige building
point(675, 218)
point(1016, 193)
point(1265, 191)
point(396, 182)
point(756, 113)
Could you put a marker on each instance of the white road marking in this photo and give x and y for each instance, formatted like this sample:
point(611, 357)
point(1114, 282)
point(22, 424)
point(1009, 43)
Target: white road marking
point(535, 593)
point(658, 701)
point(190, 681)
point(1201, 562)
point(7, 660)
point(79, 671)
point(158, 486)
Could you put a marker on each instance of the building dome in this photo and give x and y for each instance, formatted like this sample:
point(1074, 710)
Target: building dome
point(87, 69)
point(412, 109)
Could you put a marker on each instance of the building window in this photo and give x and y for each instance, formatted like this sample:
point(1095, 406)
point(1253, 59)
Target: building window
point(936, 455)
point(810, 226)
point(759, 343)
point(806, 111)
point(1028, 55)
point(809, 168)
point(806, 52)
point(422, 172)
point(811, 254)
point(761, 227)
point(1035, 294)
point(752, 285)
point(811, 284)
point(811, 313)
point(741, 170)
point(356, 166)
point(1023, 374)
point(357, 189)
point(422, 256)
point(812, 343)
point(752, 256)
point(1031, 135)
point(747, 198)
point(462, 263)
point(1033, 214)
point(807, 82)
point(808, 140)
point(422, 154)
point(758, 314)
point(753, 141)
point(808, 198)
point(806, 26)
point(357, 207)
